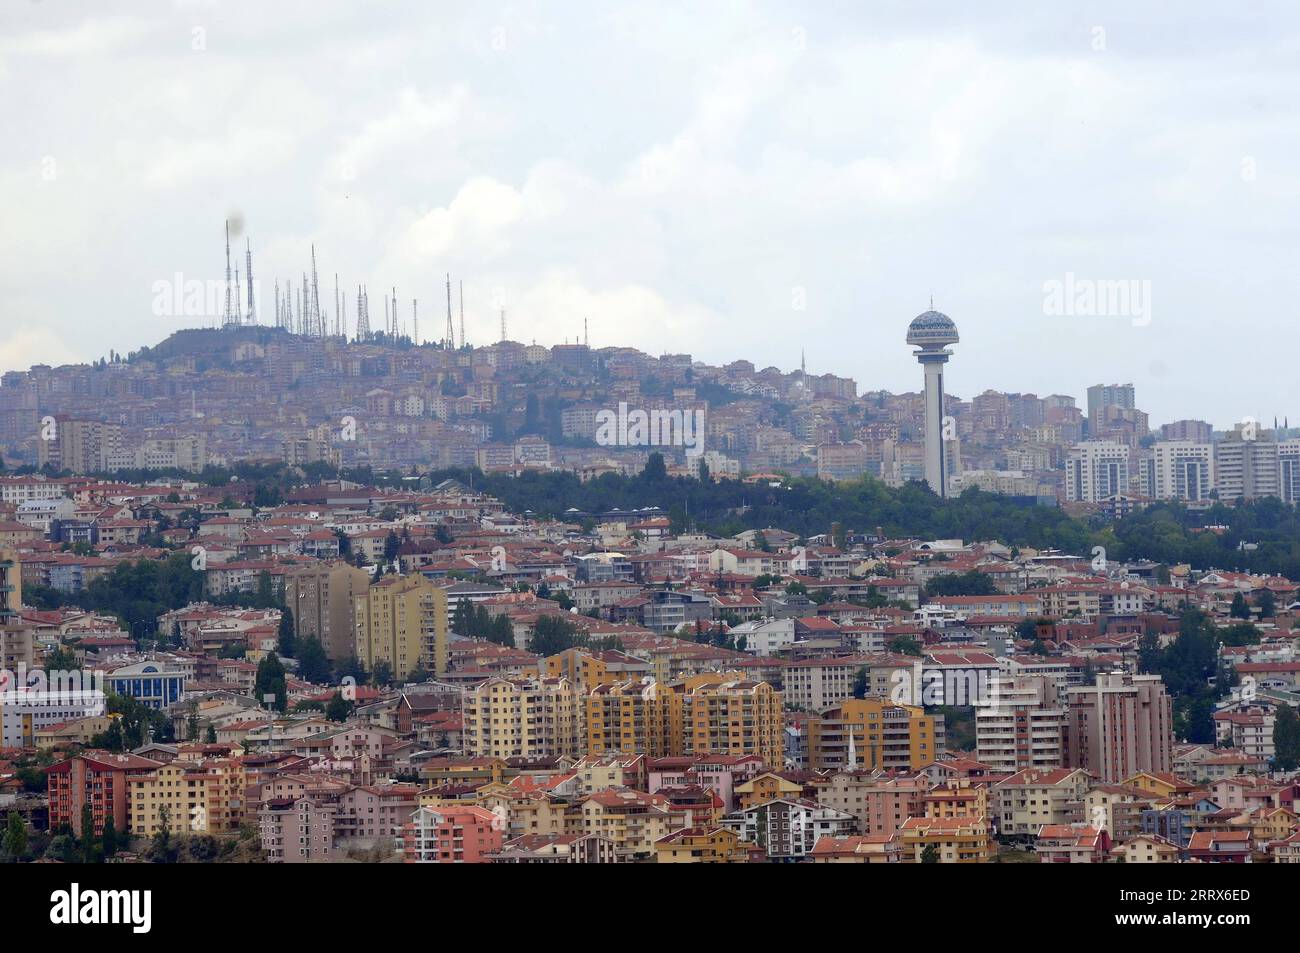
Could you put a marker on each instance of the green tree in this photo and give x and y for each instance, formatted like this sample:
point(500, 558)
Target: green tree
point(1239, 608)
point(905, 645)
point(655, 470)
point(338, 708)
point(163, 849)
point(313, 663)
point(971, 583)
point(860, 683)
point(285, 633)
point(930, 854)
point(270, 680)
point(109, 840)
point(554, 634)
point(1286, 738)
point(15, 842)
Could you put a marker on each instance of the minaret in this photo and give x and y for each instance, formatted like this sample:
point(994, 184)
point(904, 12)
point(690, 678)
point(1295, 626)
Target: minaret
point(932, 332)
point(248, 276)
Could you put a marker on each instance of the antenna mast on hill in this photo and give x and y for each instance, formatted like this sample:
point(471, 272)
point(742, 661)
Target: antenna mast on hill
point(450, 340)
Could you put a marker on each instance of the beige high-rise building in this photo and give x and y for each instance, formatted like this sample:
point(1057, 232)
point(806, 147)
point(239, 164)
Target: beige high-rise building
point(522, 718)
point(1119, 726)
point(1023, 726)
point(312, 447)
point(80, 446)
point(322, 597)
point(402, 621)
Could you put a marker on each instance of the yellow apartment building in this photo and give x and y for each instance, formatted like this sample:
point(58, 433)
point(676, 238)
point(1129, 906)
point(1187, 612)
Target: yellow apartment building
point(699, 845)
point(194, 797)
point(710, 714)
point(402, 621)
point(522, 718)
point(957, 840)
point(873, 733)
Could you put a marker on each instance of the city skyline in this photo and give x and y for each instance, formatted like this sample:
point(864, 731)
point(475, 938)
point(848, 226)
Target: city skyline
point(713, 187)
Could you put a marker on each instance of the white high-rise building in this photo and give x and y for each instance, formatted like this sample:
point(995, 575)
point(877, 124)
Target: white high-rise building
point(1246, 468)
point(1096, 470)
point(1023, 726)
point(1184, 470)
point(932, 332)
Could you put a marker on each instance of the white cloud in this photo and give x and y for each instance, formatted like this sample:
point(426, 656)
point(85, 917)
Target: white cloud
point(34, 345)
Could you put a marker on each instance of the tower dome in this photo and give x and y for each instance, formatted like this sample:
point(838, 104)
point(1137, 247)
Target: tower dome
point(932, 329)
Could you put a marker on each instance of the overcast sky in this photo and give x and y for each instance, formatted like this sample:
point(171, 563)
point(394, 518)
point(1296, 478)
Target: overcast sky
point(732, 180)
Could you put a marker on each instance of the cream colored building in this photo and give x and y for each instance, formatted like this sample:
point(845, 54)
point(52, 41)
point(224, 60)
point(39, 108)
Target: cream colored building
point(402, 621)
point(191, 797)
point(522, 718)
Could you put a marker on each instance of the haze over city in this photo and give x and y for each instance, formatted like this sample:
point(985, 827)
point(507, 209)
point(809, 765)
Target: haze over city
point(612, 432)
point(673, 173)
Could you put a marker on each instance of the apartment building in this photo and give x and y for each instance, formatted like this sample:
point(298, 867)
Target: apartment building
point(586, 670)
point(80, 446)
point(1119, 726)
point(523, 718)
point(1181, 470)
point(187, 797)
point(730, 715)
point(1032, 797)
point(879, 803)
point(787, 829)
point(322, 598)
point(1022, 726)
point(874, 733)
point(951, 840)
point(1097, 470)
point(459, 835)
point(402, 621)
point(1246, 467)
point(11, 588)
point(298, 830)
point(633, 820)
point(98, 779)
point(701, 845)
point(711, 714)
